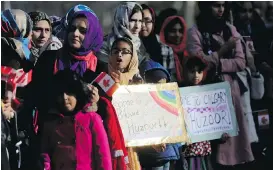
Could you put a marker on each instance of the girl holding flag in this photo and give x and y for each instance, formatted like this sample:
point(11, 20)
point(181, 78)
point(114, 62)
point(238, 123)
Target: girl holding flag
point(78, 55)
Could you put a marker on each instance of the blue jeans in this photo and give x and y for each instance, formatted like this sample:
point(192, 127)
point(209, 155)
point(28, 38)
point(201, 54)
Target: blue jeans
point(164, 167)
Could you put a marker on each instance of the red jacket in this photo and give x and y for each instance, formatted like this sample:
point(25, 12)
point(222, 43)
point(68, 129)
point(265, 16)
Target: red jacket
point(76, 142)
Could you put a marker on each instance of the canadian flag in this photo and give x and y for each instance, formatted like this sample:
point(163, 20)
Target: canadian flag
point(18, 77)
point(14, 78)
point(107, 83)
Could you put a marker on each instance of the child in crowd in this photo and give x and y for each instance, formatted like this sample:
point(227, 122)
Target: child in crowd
point(158, 157)
point(123, 62)
point(73, 135)
point(197, 154)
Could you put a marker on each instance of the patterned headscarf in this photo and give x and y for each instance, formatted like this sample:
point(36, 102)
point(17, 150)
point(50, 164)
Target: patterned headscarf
point(121, 24)
point(15, 23)
point(94, 34)
point(39, 16)
point(85, 58)
point(16, 26)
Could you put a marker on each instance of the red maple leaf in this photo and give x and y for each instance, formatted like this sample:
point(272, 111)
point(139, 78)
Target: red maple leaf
point(106, 83)
point(264, 120)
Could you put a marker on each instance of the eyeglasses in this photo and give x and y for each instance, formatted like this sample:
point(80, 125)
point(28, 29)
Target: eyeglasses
point(147, 21)
point(74, 28)
point(123, 52)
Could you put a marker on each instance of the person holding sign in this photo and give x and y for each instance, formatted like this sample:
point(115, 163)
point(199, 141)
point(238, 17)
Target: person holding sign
point(197, 154)
point(157, 157)
point(218, 43)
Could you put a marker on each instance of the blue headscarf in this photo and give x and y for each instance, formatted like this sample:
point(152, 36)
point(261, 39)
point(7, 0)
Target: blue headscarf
point(94, 34)
point(17, 26)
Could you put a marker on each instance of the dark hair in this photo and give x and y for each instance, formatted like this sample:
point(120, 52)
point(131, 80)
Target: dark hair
point(136, 9)
point(144, 7)
point(67, 81)
point(124, 39)
point(205, 10)
point(162, 16)
point(171, 24)
point(205, 20)
point(238, 6)
point(193, 62)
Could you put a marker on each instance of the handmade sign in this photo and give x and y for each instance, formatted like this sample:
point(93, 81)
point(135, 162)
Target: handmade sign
point(209, 111)
point(150, 114)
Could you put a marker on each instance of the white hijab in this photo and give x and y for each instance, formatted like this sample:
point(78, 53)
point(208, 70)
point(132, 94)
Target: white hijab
point(121, 24)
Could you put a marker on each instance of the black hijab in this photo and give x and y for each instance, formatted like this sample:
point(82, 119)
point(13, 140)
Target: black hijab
point(151, 43)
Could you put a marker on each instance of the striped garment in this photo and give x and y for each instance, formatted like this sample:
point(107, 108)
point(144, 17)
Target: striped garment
point(168, 59)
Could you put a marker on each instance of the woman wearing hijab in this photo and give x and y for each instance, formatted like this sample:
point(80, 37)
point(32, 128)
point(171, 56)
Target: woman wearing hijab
point(158, 51)
point(42, 38)
point(127, 23)
point(174, 33)
point(219, 44)
point(83, 38)
point(16, 27)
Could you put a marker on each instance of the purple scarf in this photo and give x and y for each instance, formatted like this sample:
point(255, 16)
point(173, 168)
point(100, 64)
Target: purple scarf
point(91, 44)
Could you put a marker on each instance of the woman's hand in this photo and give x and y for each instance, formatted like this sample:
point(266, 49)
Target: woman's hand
point(7, 110)
point(225, 137)
point(159, 148)
point(231, 44)
point(228, 46)
point(94, 93)
point(116, 76)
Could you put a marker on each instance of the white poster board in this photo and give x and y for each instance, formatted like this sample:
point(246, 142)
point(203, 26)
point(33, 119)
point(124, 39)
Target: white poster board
point(150, 114)
point(209, 111)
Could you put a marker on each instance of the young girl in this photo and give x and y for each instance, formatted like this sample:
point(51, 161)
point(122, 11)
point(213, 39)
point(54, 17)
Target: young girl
point(123, 61)
point(218, 43)
point(127, 22)
point(197, 154)
point(73, 135)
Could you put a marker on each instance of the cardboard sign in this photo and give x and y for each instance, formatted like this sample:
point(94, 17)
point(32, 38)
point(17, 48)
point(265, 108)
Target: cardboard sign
point(209, 111)
point(150, 114)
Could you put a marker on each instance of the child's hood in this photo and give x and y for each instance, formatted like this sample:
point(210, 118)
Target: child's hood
point(152, 65)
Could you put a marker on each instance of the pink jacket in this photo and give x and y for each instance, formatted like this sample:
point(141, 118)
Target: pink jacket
point(76, 142)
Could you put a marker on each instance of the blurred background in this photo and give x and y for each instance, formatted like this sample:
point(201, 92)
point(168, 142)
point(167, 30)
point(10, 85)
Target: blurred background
point(105, 9)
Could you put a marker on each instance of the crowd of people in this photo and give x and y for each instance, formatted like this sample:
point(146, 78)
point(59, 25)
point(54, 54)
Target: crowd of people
point(62, 119)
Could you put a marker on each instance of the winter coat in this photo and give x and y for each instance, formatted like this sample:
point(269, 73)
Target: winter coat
point(148, 156)
point(245, 77)
point(42, 84)
point(237, 149)
point(76, 142)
